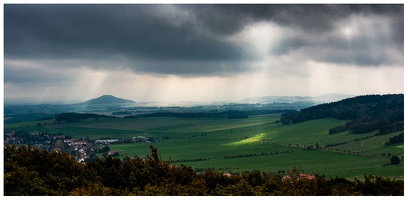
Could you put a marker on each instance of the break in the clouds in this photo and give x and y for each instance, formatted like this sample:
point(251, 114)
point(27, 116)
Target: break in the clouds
point(235, 51)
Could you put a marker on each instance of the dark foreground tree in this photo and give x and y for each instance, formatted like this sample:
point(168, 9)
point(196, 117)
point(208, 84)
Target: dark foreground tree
point(29, 171)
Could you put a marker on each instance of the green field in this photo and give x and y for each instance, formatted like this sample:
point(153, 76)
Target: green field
point(278, 147)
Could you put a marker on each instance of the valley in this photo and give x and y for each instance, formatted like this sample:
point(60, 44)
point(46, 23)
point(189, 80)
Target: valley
point(258, 142)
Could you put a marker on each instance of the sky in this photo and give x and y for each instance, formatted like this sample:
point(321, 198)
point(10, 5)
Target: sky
point(201, 52)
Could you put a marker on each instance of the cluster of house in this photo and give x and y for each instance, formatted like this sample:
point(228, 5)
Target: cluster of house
point(84, 148)
point(9, 138)
point(81, 149)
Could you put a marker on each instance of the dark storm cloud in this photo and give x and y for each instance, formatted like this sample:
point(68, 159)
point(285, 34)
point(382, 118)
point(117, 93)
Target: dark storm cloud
point(315, 21)
point(171, 39)
point(31, 77)
point(95, 30)
point(227, 19)
point(358, 51)
point(187, 68)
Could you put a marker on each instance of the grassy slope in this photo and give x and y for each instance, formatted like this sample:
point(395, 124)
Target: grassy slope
point(214, 139)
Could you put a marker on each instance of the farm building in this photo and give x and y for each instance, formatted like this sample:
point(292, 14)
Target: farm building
point(108, 141)
point(139, 139)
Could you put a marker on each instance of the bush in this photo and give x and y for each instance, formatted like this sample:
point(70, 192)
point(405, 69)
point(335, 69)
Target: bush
point(395, 160)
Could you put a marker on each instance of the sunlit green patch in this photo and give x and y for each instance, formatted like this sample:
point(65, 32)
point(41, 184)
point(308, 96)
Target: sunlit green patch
point(400, 146)
point(249, 140)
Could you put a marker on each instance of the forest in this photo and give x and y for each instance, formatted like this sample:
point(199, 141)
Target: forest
point(25, 174)
point(367, 113)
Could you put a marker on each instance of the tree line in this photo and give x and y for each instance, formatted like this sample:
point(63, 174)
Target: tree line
point(35, 172)
point(396, 139)
point(190, 160)
point(230, 114)
point(256, 154)
point(77, 117)
point(367, 113)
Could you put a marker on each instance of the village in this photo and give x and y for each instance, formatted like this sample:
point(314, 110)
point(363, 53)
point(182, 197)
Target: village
point(83, 149)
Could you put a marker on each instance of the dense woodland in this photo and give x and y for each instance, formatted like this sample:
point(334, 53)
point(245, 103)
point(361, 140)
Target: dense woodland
point(366, 113)
point(25, 174)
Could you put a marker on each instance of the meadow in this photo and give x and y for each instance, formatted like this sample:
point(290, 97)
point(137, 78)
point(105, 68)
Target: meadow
point(236, 145)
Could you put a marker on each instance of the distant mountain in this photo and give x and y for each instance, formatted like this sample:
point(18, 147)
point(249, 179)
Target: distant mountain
point(293, 99)
point(107, 99)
